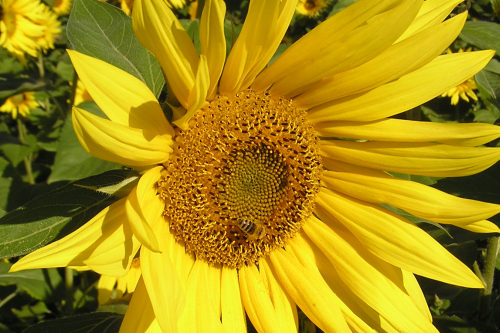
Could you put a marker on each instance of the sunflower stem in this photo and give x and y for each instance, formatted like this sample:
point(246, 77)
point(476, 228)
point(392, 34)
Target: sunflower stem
point(40, 66)
point(8, 298)
point(488, 275)
point(21, 129)
point(68, 284)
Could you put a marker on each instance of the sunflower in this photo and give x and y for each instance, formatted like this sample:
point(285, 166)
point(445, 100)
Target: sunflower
point(19, 104)
point(464, 90)
point(310, 7)
point(61, 7)
point(269, 189)
point(27, 27)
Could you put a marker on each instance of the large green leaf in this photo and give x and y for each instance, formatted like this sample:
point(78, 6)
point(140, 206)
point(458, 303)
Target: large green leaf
point(39, 284)
point(105, 32)
point(56, 213)
point(99, 322)
point(484, 35)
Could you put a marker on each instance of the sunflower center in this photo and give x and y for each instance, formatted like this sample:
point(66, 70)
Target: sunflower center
point(242, 178)
point(253, 183)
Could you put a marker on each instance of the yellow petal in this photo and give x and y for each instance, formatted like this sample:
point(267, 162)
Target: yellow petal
point(431, 13)
point(164, 283)
point(317, 265)
point(140, 316)
point(121, 96)
point(323, 44)
point(118, 143)
point(405, 246)
point(394, 62)
point(415, 292)
point(105, 287)
point(233, 314)
point(264, 27)
point(309, 291)
point(412, 197)
point(144, 209)
point(157, 28)
point(202, 307)
point(436, 160)
point(212, 40)
point(409, 91)
point(104, 244)
point(484, 227)
point(358, 270)
point(268, 307)
point(399, 130)
point(198, 94)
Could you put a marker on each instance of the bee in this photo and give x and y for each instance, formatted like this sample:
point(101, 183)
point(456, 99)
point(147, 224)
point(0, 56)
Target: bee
point(251, 229)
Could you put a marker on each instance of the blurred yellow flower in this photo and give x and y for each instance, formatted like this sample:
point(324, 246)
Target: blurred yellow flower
point(19, 104)
point(310, 7)
point(61, 7)
point(464, 90)
point(251, 202)
point(27, 27)
point(110, 288)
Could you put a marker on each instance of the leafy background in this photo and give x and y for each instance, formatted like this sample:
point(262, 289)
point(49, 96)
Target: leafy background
point(49, 183)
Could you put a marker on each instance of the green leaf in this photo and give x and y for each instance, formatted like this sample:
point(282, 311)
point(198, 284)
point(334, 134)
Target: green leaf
point(72, 161)
point(490, 83)
point(482, 34)
point(103, 31)
point(15, 153)
point(493, 66)
point(39, 284)
point(10, 85)
point(56, 213)
point(99, 322)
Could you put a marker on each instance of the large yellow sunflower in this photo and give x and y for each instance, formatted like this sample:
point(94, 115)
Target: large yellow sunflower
point(266, 191)
point(27, 27)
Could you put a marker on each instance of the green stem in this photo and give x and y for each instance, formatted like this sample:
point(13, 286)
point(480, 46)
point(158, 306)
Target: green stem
point(27, 160)
point(8, 298)
point(488, 275)
point(68, 285)
point(41, 68)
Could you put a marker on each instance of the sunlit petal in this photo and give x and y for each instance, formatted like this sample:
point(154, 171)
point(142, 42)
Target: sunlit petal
point(435, 160)
point(160, 32)
point(407, 92)
point(121, 96)
point(104, 244)
point(399, 130)
point(268, 307)
point(405, 246)
point(213, 41)
point(118, 143)
point(417, 199)
point(264, 27)
point(144, 209)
